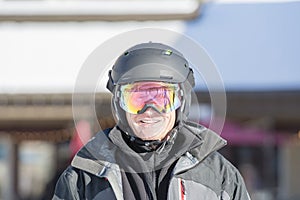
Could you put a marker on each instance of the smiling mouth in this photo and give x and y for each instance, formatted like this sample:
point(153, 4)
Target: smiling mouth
point(148, 121)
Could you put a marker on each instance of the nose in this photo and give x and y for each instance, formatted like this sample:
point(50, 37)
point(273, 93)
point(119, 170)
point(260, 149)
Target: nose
point(149, 110)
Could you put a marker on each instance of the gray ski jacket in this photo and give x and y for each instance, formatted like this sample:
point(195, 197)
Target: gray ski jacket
point(200, 173)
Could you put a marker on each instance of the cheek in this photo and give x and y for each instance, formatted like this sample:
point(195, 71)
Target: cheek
point(170, 119)
point(131, 120)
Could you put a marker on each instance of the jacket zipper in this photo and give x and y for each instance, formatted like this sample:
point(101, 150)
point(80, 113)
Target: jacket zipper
point(182, 192)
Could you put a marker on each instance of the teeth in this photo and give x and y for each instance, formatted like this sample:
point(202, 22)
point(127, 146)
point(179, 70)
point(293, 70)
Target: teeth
point(148, 121)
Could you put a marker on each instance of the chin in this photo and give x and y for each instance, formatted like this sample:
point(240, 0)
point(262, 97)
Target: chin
point(148, 135)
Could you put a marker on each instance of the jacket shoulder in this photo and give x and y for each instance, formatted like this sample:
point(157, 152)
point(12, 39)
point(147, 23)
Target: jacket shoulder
point(66, 185)
point(218, 174)
point(77, 184)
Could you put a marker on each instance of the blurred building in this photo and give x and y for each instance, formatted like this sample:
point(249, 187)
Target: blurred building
point(43, 45)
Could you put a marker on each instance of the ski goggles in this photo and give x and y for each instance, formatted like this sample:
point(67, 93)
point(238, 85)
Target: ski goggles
point(137, 97)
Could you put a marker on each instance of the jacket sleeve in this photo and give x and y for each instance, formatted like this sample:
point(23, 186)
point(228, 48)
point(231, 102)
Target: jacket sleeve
point(236, 189)
point(66, 186)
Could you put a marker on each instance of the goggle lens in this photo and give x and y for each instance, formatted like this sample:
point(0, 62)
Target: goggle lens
point(137, 97)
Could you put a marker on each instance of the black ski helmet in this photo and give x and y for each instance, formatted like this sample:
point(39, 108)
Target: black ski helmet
point(151, 62)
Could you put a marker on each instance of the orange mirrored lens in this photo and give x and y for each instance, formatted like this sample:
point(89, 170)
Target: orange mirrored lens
point(162, 96)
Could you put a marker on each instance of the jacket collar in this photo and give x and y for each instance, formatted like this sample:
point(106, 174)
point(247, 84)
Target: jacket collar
point(98, 155)
point(210, 142)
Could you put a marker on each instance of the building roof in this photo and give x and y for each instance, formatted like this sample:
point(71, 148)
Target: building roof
point(254, 45)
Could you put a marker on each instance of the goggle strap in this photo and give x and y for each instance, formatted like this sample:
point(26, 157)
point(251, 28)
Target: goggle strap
point(118, 91)
point(181, 92)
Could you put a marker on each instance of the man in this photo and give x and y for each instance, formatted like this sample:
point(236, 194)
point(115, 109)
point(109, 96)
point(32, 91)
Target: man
point(153, 152)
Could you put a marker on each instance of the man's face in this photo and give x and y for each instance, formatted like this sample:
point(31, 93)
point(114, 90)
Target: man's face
point(150, 108)
point(151, 125)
